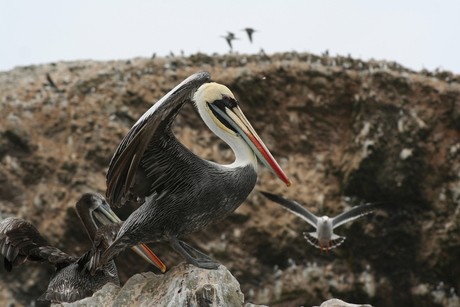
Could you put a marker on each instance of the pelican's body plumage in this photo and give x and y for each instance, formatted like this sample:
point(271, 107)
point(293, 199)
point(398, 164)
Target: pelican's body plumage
point(20, 241)
point(181, 192)
point(324, 238)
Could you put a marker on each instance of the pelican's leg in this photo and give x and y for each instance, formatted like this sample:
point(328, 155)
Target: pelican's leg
point(194, 252)
point(201, 263)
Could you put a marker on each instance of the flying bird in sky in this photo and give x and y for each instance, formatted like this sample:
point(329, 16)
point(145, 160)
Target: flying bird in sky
point(249, 31)
point(324, 238)
point(230, 36)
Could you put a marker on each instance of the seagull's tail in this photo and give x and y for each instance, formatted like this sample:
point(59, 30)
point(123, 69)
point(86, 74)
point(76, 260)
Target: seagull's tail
point(312, 238)
point(336, 241)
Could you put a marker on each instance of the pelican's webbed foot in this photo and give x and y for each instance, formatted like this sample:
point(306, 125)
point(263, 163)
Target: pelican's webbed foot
point(202, 261)
point(194, 252)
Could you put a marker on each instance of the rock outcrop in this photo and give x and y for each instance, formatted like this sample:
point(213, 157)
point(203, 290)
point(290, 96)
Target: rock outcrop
point(344, 130)
point(183, 285)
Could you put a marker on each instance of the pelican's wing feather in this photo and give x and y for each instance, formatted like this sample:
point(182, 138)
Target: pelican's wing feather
point(157, 120)
point(21, 241)
point(355, 213)
point(104, 237)
point(294, 207)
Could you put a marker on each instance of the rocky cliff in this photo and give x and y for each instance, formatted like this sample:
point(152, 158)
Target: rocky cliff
point(183, 285)
point(344, 130)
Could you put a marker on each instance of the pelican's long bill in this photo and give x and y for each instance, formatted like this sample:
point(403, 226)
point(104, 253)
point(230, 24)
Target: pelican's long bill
point(235, 117)
point(105, 216)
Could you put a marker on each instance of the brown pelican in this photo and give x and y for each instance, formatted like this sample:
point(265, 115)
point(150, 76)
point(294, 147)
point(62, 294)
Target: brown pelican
point(249, 31)
point(324, 238)
point(20, 241)
point(182, 192)
point(230, 36)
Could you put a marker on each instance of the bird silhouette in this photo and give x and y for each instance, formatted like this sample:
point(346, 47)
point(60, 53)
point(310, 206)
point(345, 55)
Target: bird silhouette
point(230, 36)
point(249, 31)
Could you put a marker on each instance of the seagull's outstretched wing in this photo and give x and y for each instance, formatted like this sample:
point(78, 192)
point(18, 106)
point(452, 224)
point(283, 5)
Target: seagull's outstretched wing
point(121, 175)
point(355, 213)
point(294, 207)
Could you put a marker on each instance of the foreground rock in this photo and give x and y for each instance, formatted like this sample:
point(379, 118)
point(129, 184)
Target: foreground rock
point(183, 285)
point(339, 303)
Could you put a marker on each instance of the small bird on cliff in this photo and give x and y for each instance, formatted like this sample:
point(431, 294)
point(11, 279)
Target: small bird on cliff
point(20, 241)
point(249, 31)
point(324, 237)
point(181, 192)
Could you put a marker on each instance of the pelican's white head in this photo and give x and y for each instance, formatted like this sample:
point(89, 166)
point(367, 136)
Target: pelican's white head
point(220, 111)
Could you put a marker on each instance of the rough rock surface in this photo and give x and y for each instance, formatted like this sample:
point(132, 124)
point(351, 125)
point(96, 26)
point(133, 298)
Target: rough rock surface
point(344, 130)
point(183, 285)
point(339, 303)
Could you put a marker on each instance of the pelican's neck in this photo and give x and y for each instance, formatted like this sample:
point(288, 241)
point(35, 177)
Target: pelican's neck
point(85, 214)
point(243, 153)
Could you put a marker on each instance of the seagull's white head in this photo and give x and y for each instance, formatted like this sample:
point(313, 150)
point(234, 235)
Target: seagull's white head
point(325, 219)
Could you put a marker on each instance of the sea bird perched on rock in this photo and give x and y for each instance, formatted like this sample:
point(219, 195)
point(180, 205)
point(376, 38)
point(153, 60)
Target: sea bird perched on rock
point(324, 237)
point(249, 31)
point(181, 192)
point(20, 241)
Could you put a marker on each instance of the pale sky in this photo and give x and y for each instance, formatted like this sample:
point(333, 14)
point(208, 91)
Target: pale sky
point(417, 34)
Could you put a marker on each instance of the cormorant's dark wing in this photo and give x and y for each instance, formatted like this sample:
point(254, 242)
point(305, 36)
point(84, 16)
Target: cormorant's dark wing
point(294, 207)
point(21, 241)
point(355, 213)
point(122, 172)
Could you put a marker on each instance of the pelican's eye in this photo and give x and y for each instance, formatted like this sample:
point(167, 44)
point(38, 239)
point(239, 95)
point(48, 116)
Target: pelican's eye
point(227, 101)
point(223, 104)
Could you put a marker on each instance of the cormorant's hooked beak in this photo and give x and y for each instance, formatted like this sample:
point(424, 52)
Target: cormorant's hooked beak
point(105, 215)
point(235, 117)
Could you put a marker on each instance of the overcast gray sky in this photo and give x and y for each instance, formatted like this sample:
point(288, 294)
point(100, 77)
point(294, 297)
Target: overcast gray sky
point(417, 34)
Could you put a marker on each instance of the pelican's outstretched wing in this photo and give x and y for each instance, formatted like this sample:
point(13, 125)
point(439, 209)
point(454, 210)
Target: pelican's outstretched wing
point(121, 175)
point(20, 241)
point(355, 213)
point(294, 207)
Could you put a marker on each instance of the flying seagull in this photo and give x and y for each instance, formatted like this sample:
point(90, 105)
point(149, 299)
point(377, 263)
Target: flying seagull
point(181, 192)
point(249, 31)
point(324, 237)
